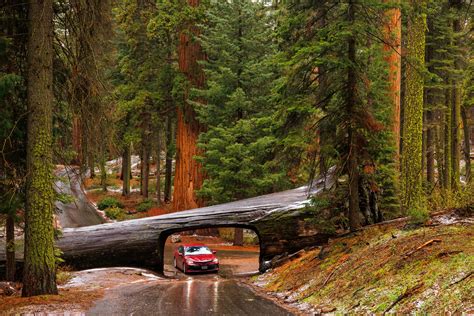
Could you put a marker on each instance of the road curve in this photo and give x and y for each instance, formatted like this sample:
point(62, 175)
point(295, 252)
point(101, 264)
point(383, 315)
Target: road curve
point(80, 212)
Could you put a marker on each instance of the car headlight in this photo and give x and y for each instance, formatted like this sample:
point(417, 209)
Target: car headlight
point(215, 261)
point(188, 261)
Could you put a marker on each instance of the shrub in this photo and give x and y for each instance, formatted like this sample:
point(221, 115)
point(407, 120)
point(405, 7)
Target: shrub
point(145, 205)
point(115, 213)
point(109, 202)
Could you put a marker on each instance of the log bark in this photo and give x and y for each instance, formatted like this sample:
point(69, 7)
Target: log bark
point(280, 220)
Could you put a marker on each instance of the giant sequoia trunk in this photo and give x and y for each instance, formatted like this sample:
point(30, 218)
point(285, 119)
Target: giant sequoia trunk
point(40, 267)
point(392, 48)
point(411, 180)
point(188, 174)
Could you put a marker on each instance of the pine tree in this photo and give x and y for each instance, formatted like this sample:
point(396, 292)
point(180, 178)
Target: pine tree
point(239, 145)
point(39, 276)
point(330, 41)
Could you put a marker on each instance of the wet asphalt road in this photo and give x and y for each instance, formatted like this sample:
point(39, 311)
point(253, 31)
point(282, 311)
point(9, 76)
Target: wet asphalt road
point(196, 295)
point(80, 212)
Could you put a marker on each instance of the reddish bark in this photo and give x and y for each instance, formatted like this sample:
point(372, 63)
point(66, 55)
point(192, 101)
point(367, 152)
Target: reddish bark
point(189, 174)
point(392, 48)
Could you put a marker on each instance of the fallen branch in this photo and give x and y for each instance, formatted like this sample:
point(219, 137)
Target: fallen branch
point(429, 242)
point(462, 279)
point(341, 261)
point(407, 293)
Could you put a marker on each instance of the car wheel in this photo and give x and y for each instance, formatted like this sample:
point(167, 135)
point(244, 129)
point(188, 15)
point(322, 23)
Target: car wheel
point(174, 263)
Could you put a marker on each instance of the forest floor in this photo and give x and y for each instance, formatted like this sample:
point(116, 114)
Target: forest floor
point(390, 267)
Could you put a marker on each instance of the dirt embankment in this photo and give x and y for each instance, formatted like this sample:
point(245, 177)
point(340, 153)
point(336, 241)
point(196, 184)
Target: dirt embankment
point(383, 268)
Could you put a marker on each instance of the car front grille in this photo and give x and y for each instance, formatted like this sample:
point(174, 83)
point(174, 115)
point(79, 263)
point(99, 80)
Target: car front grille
point(199, 267)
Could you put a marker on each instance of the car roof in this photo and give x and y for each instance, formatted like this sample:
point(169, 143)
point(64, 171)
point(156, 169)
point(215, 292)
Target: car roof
point(193, 245)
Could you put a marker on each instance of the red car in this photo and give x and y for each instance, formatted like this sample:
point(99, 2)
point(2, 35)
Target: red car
point(195, 258)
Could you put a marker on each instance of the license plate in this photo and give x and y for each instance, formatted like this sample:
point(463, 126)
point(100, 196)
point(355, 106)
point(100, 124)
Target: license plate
point(204, 267)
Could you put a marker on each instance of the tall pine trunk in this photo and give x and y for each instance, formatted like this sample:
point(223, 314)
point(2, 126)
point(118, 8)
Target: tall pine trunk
point(352, 159)
point(126, 170)
point(158, 165)
point(39, 274)
point(456, 103)
point(447, 168)
point(411, 177)
point(467, 143)
point(169, 159)
point(188, 174)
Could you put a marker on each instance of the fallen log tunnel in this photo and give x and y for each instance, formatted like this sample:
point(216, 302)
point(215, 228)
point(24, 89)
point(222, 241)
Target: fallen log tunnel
point(280, 220)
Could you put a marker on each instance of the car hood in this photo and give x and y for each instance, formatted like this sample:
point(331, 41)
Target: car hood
point(200, 258)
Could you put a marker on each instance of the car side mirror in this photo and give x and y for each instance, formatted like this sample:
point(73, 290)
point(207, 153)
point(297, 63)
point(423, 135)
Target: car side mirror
point(214, 252)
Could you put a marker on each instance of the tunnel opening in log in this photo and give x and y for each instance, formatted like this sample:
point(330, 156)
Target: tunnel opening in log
point(237, 249)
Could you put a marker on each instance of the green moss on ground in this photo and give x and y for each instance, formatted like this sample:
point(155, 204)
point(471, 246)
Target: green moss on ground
point(380, 265)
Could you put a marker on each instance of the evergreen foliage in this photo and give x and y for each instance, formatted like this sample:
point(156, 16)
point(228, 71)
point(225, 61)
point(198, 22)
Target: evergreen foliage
point(319, 63)
point(239, 145)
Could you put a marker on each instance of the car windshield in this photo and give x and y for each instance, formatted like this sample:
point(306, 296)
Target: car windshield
point(197, 250)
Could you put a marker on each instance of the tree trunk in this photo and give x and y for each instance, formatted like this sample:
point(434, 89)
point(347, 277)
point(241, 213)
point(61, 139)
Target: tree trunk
point(447, 138)
point(39, 275)
point(467, 143)
point(411, 177)
point(456, 104)
point(158, 165)
point(169, 158)
point(10, 248)
point(392, 48)
point(77, 140)
point(146, 170)
point(188, 174)
point(352, 159)
point(103, 169)
point(238, 237)
point(439, 140)
point(91, 165)
point(430, 117)
point(126, 170)
point(430, 148)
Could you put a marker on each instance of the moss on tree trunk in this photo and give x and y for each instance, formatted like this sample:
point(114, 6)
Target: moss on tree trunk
point(411, 178)
point(40, 269)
